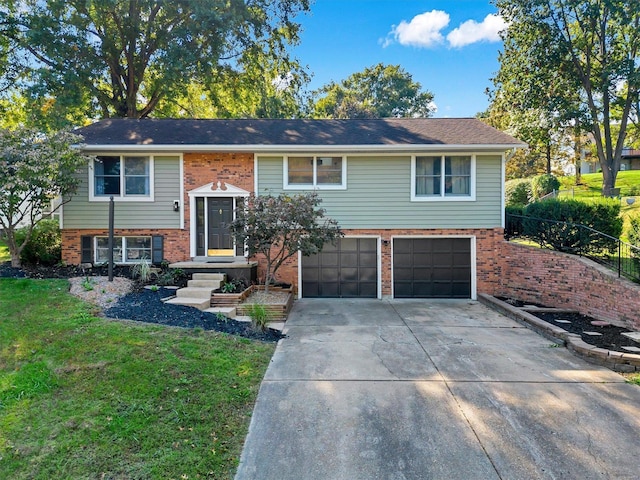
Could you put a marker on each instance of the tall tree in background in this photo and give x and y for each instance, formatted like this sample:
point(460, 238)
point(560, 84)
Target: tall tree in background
point(123, 58)
point(575, 60)
point(381, 91)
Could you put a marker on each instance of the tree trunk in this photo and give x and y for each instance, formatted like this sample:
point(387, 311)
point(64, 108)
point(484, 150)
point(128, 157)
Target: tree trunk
point(577, 151)
point(15, 260)
point(608, 179)
point(548, 158)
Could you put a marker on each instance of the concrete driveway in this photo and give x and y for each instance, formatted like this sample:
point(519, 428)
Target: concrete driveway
point(404, 389)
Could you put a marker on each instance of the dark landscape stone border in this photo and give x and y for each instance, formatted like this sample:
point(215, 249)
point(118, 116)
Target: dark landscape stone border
point(616, 361)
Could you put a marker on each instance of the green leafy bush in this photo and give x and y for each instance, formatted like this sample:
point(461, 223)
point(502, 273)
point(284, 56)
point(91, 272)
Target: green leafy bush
point(517, 192)
point(633, 234)
point(45, 245)
point(633, 231)
point(513, 224)
point(560, 226)
point(543, 185)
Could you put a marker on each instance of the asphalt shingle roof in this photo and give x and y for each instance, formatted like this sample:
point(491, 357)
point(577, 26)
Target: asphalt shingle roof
point(275, 132)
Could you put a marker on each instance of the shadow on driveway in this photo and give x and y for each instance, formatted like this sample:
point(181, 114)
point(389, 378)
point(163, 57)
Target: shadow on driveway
point(414, 389)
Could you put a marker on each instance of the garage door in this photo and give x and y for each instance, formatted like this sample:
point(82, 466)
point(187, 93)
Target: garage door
point(347, 269)
point(432, 268)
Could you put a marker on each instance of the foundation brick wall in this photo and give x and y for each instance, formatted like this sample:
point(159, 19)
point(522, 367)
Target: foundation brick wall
point(488, 243)
point(560, 280)
point(176, 242)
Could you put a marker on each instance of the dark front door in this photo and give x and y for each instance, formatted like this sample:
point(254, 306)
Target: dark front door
point(220, 212)
point(347, 269)
point(432, 268)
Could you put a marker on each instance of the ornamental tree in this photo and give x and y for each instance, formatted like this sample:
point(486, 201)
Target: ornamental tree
point(280, 226)
point(34, 170)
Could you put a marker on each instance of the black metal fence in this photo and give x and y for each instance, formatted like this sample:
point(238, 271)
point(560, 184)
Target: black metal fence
point(577, 239)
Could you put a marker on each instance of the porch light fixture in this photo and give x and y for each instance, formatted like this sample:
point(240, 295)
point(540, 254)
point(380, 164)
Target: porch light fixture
point(176, 205)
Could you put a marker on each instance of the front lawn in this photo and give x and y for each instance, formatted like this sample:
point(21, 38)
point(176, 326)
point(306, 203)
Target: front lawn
point(85, 397)
point(591, 186)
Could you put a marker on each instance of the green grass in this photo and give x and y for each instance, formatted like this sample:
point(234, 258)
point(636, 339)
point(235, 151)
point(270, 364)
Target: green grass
point(591, 186)
point(84, 397)
point(633, 378)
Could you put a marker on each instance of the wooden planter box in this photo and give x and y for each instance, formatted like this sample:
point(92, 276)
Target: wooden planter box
point(230, 299)
point(278, 311)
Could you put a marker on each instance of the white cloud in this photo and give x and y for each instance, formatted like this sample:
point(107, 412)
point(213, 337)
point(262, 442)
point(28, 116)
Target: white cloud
point(422, 31)
point(425, 31)
point(472, 32)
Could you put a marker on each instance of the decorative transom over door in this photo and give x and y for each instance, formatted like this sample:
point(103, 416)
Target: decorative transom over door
point(220, 215)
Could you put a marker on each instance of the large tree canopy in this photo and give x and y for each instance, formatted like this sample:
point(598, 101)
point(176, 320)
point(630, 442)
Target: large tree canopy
point(381, 91)
point(577, 62)
point(125, 57)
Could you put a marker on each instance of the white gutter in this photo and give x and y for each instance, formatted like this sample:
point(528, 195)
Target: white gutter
point(394, 148)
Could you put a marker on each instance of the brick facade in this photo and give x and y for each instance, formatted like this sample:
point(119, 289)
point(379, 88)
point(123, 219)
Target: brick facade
point(488, 265)
point(560, 280)
point(200, 169)
point(176, 243)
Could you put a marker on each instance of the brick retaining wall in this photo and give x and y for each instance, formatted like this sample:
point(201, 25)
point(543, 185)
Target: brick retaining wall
point(560, 280)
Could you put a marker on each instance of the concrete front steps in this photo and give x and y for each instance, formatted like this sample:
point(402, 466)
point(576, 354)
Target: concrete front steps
point(197, 293)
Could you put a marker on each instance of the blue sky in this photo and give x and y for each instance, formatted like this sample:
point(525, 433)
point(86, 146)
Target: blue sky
point(449, 47)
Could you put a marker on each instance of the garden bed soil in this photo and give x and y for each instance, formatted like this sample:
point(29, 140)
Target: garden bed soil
point(147, 306)
point(278, 302)
point(610, 337)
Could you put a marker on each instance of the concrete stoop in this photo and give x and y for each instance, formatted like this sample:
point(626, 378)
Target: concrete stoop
point(197, 293)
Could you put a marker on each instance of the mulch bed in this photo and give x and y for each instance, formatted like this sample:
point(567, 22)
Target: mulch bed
point(146, 305)
point(610, 338)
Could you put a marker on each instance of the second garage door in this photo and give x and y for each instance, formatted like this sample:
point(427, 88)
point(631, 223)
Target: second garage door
point(432, 267)
point(347, 269)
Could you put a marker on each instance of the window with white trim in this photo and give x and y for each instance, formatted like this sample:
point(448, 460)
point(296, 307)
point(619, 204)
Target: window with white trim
point(322, 172)
point(125, 249)
point(125, 176)
point(448, 177)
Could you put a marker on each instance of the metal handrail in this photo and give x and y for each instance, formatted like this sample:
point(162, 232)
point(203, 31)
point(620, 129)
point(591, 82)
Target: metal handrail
point(612, 252)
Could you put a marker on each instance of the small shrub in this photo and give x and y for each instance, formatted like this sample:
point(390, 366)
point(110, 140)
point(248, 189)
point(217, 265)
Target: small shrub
point(633, 230)
point(633, 234)
point(45, 245)
point(87, 284)
point(517, 192)
point(233, 286)
point(543, 185)
point(260, 316)
point(602, 215)
point(142, 270)
point(171, 276)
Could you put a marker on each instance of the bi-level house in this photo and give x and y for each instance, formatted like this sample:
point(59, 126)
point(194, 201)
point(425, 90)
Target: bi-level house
point(420, 200)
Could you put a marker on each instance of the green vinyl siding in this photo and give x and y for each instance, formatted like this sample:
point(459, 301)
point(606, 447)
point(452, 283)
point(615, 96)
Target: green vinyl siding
point(81, 213)
point(378, 195)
